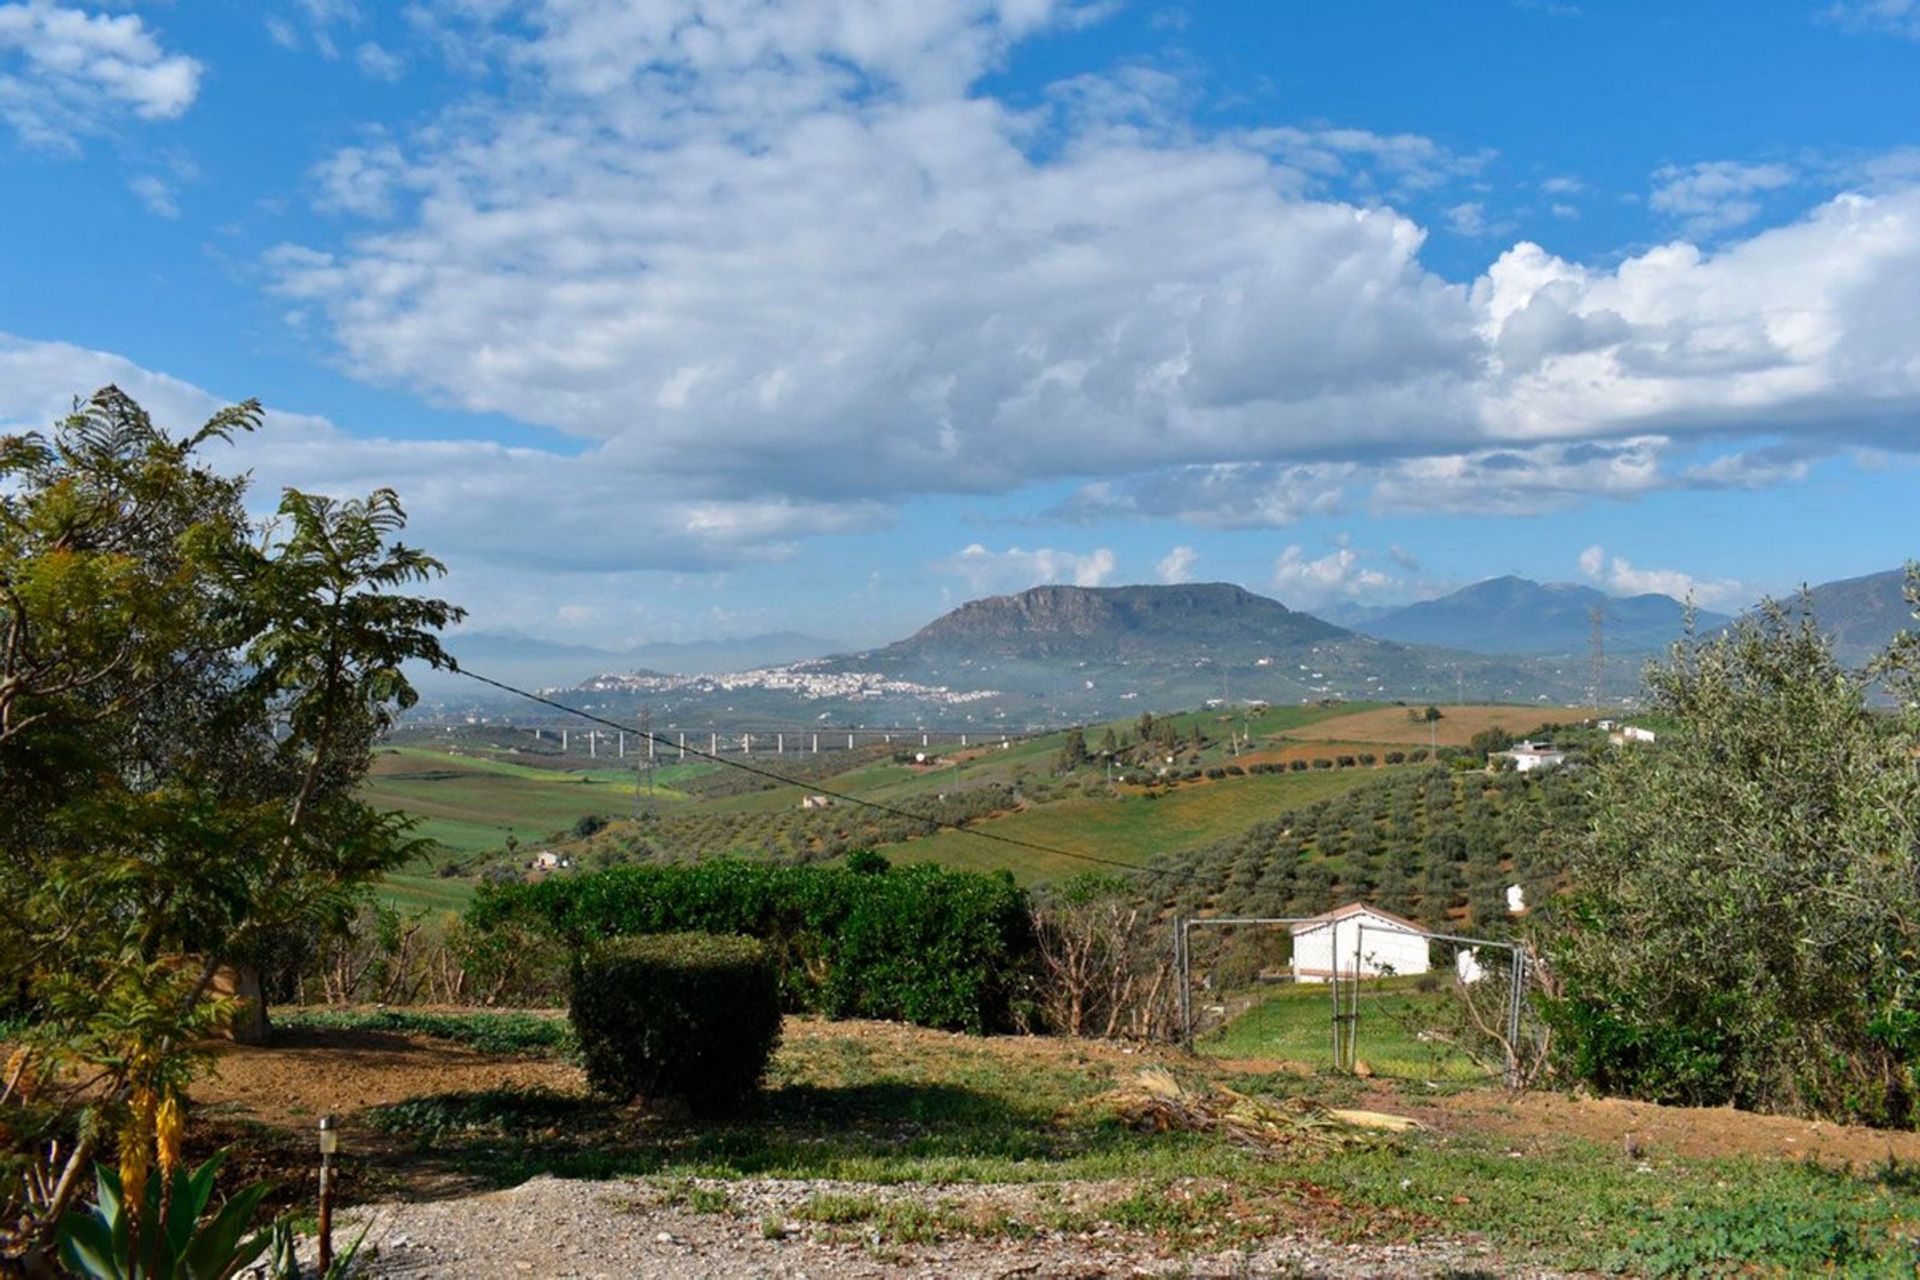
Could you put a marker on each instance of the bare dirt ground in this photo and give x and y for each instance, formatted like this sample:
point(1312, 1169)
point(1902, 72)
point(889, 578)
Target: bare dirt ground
point(1700, 1132)
point(304, 1074)
point(1456, 727)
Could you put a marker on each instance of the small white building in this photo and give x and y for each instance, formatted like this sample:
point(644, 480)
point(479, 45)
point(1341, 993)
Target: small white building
point(1467, 966)
point(1528, 756)
point(548, 860)
point(816, 802)
point(1631, 733)
point(1379, 942)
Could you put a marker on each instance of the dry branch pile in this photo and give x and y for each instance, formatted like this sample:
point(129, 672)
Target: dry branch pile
point(1155, 1101)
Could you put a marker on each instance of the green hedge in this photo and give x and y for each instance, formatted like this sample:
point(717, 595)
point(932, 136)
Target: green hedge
point(948, 949)
point(693, 1016)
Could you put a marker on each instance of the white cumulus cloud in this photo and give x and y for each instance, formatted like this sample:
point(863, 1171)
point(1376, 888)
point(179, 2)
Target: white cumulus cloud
point(66, 72)
point(1016, 569)
point(1176, 565)
point(1620, 577)
point(1341, 574)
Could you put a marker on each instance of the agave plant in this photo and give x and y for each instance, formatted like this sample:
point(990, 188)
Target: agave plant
point(174, 1241)
point(283, 1254)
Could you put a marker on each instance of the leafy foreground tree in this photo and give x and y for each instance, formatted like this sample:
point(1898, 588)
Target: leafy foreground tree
point(1745, 921)
point(188, 701)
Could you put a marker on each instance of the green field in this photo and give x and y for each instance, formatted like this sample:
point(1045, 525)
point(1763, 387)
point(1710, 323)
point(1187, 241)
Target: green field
point(467, 803)
point(1133, 828)
point(1294, 1023)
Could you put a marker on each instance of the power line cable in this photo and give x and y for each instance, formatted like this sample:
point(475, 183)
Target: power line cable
point(876, 805)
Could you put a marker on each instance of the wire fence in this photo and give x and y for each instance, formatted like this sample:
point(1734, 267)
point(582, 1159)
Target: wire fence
point(1358, 994)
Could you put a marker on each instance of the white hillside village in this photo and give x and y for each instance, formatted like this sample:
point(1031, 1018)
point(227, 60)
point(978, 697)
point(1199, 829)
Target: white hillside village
point(803, 679)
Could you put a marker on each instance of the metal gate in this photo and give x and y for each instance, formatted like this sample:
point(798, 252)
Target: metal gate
point(1363, 992)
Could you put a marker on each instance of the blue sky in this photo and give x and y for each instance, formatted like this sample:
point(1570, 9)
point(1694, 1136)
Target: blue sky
point(714, 317)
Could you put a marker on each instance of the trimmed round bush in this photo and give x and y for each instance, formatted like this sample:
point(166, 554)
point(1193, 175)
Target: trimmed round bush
point(692, 1016)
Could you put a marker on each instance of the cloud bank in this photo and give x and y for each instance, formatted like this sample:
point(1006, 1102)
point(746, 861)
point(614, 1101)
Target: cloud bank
point(757, 248)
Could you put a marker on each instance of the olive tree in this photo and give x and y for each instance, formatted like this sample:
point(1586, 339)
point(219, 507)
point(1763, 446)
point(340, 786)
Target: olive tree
point(188, 704)
point(1744, 920)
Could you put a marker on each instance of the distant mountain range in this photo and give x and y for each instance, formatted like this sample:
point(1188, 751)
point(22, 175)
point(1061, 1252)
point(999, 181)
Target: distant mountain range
point(1517, 616)
point(1061, 654)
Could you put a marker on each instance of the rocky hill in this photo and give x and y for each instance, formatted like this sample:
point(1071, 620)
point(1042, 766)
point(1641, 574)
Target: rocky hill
point(1213, 620)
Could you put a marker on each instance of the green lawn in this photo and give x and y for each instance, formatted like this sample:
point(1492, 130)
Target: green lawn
point(1133, 828)
point(1294, 1023)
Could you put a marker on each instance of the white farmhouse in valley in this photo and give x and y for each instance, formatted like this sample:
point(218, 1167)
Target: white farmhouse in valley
point(1528, 756)
point(1378, 942)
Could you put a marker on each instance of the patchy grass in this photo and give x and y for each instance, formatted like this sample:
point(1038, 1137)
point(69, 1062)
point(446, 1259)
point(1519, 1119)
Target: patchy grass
point(891, 1107)
point(508, 1034)
point(1295, 1023)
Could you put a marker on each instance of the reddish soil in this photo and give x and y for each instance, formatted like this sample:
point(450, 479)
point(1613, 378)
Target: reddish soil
point(1661, 1131)
point(1456, 727)
point(305, 1074)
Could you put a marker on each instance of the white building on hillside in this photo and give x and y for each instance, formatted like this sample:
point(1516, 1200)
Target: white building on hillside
point(1528, 756)
point(1377, 942)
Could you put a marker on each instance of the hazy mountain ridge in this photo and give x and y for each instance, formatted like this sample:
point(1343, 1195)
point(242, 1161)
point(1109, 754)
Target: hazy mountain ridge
point(1517, 616)
point(1859, 615)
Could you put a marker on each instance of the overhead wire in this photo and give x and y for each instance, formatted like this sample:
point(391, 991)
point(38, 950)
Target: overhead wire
point(877, 806)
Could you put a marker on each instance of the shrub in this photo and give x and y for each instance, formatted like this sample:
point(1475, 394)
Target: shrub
point(692, 1016)
point(1396, 757)
point(1418, 755)
point(1345, 762)
point(865, 862)
point(1321, 762)
point(1297, 765)
point(948, 949)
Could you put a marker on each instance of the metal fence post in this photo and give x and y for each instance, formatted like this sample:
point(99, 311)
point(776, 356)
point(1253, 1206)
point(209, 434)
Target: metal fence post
point(1185, 973)
point(1333, 987)
point(1514, 998)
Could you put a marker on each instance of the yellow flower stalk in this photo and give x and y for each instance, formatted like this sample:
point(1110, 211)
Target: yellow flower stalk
point(136, 1146)
point(169, 1130)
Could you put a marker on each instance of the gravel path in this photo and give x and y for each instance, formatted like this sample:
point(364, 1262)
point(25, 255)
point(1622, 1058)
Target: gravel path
point(551, 1227)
